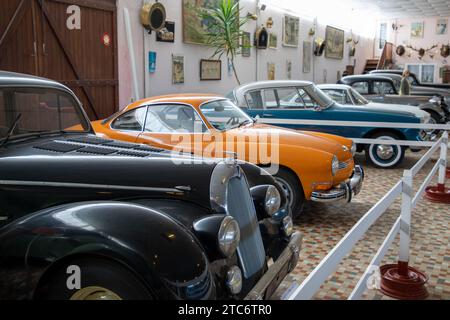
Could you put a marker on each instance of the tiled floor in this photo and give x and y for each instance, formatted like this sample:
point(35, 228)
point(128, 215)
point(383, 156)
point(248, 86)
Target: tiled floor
point(324, 225)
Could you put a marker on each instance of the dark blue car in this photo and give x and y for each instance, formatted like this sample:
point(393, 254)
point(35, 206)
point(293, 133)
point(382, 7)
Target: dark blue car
point(281, 100)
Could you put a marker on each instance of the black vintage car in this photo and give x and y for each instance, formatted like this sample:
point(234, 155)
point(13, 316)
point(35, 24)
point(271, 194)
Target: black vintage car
point(82, 217)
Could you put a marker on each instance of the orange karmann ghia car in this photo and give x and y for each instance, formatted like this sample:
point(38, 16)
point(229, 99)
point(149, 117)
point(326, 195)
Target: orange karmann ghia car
point(308, 165)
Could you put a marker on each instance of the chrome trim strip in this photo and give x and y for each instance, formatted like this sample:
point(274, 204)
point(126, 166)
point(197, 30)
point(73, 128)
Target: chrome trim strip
point(85, 186)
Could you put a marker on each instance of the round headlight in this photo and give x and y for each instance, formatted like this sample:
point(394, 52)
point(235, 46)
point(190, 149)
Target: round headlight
point(234, 280)
point(353, 149)
point(272, 202)
point(228, 236)
point(288, 226)
point(334, 165)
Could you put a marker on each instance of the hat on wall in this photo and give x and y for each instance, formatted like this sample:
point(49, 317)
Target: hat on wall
point(400, 50)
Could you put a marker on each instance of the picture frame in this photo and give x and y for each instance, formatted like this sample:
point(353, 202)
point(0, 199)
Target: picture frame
point(289, 69)
point(246, 44)
point(273, 41)
point(417, 29)
point(194, 26)
point(210, 70)
point(334, 39)
point(270, 71)
point(177, 69)
point(307, 56)
point(441, 26)
point(291, 29)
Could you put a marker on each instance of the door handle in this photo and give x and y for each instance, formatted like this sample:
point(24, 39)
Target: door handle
point(268, 115)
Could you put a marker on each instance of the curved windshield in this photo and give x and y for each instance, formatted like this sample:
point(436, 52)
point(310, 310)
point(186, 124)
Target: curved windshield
point(319, 96)
point(224, 115)
point(358, 98)
point(31, 111)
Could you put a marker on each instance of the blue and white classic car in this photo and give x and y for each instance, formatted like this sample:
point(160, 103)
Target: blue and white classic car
point(302, 100)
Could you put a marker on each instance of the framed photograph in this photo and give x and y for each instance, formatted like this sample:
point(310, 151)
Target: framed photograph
point(291, 29)
point(417, 29)
point(441, 26)
point(334, 39)
point(246, 44)
point(307, 56)
point(167, 34)
point(194, 26)
point(273, 41)
point(177, 69)
point(270, 71)
point(289, 69)
point(210, 70)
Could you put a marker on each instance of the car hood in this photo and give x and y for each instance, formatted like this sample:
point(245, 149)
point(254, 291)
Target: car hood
point(294, 138)
point(104, 166)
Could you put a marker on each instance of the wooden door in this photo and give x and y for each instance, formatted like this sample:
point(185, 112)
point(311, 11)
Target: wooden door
point(84, 57)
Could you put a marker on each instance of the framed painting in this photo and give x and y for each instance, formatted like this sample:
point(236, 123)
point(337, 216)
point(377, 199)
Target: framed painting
point(417, 29)
point(334, 39)
point(270, 71)
point(289, 69)
point(194, 26)
point(246, 44)
point(210, 70)
point(177, 69)
point(273, 40)
point(441, 26)
point(307, 54)
point(291, 29)
point(167, 34)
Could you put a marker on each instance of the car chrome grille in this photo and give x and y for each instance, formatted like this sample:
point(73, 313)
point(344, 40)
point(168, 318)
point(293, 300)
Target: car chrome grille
point(240, 206)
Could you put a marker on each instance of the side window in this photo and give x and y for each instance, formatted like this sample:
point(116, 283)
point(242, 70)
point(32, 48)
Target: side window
point(307, 101)
point(383, 87)
point(172, 119)
point(340, 96)
point(130, 121)
point(362, 87)
point(270, 99)
point(290, 98)
point(254, 100)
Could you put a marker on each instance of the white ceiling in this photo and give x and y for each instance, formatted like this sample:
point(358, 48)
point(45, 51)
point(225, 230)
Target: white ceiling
point(407, 8)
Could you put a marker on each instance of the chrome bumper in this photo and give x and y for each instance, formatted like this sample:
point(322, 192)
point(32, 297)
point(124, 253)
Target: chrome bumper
point(346, 191)
point(277, 271)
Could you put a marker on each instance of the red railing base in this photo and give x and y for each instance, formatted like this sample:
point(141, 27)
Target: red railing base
point(438, 193)
point(448, 173)
point(402, 282)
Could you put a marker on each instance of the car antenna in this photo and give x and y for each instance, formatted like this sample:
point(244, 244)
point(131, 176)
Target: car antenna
point(11, 130)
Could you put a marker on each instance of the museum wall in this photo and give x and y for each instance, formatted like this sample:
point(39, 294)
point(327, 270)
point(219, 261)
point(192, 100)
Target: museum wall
point(249, 68)
point(430, 37)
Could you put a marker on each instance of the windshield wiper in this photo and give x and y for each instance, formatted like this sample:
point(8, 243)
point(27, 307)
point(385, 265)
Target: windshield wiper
point(11, 130)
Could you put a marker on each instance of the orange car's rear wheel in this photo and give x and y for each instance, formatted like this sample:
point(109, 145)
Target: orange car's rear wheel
point(292, 190)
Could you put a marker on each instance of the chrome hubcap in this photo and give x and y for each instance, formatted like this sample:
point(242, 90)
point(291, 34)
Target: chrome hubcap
point(385, 152)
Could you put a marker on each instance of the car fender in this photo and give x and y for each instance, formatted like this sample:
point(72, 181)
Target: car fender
point(136, 236)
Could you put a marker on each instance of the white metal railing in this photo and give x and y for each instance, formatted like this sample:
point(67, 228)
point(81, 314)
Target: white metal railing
point(404, 187)
point(364, 124)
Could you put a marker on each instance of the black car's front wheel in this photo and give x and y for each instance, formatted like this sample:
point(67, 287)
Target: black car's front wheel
point(292, 190)
point(98, 280)
point(385, 156)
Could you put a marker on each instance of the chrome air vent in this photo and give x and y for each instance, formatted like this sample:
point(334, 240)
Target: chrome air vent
point(147, 148)
point(133, 154)
point(119, 144)
point(58, 147)
point(90, 140)
point(98, 151)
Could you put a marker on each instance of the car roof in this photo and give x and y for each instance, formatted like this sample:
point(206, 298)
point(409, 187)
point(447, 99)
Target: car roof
point(365, 77)
point(400, 72)
point(12, 79)
point(333, 86)
point(272, 84)
point(390, 75)
point(194, 99)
